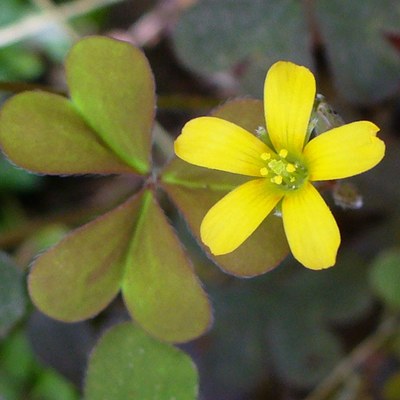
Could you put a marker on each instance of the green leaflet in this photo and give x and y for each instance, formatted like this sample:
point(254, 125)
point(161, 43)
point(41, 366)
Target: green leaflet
point(128, 364)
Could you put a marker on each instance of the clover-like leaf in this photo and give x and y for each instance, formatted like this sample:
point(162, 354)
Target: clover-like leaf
point(160, 288)
point(236, 358)
point(365, 65)
point(112, 86)
point(216, 35)
point(12, 294)
point(303, 351)
point(44, 133)
point(282, 322)
point(195, 190)
point(61, 346)
point(301, 339)
point(128, 364)
point(78, 277)
point(343, 292)
point(12, 178)
point(385, 277)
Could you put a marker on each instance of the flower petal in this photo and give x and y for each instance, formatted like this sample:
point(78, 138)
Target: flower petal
point(218, 144)
point(237, 215)
point(344, 151)
point(310, 228)
point(289, 93)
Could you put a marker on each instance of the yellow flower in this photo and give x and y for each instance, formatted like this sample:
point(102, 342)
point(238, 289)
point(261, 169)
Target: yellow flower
point(284, 172)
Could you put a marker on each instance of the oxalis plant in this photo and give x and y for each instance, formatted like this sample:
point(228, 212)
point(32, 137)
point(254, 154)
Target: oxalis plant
point(257, 198)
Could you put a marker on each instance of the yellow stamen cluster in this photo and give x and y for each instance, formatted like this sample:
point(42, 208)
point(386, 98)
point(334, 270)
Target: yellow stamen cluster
point(265, 156)
point(284, 172)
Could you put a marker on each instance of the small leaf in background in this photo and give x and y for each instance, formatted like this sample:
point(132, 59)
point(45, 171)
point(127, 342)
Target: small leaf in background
point(282, 325)
point(160, 288)
point(61, 346)
point(216, 35)
point(17, 360)
point(303, 350)
point(23, 377)
point(51, 386)
point(195, 190)
point(364, 63)
point(12, 294)
point(38, 242)
point(43, 132)
point(301, 312)
point(14, 9)
point(78, 277)
point(17, 366)
point(16, 179)
point(235, 359)
point(391, 388)
point(112, 86)
point(128, 364)
point(385, 277)
point(18, 61)
point(343, 291)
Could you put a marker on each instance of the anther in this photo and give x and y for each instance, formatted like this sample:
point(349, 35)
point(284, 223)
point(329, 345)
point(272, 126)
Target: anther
point(290, 168)
point(265, 156)
point(277, 179)
point(264, 171)
point(283, 153)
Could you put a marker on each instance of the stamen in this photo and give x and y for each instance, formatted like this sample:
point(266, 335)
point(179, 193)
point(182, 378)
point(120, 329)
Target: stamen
point(277, 179)
point(290, 168)
point(282, 170)
point(265, 156)
point(264, 171)
point(283, 153)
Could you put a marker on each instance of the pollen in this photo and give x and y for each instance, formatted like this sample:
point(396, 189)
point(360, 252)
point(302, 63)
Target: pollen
point(283, 170)
point(283, 153)
point(265, 156)
point(290, 168)
point(277, 179)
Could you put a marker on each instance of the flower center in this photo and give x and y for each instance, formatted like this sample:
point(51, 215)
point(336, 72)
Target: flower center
point(283, 170)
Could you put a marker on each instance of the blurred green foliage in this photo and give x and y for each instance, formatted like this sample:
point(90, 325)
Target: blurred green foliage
point(12, 294)
point(15, 179)
point(28, 59)
point(22, 376)
point(229, 35)
point(18, 61)
point(385, 277)
point(286, 323)
point(129, 364)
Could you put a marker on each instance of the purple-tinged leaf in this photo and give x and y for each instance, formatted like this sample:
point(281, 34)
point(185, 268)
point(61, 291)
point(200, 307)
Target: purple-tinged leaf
point(128, 364)
point(79, 276)
point(43, 132)
point(112, 85)
point(160, 288)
